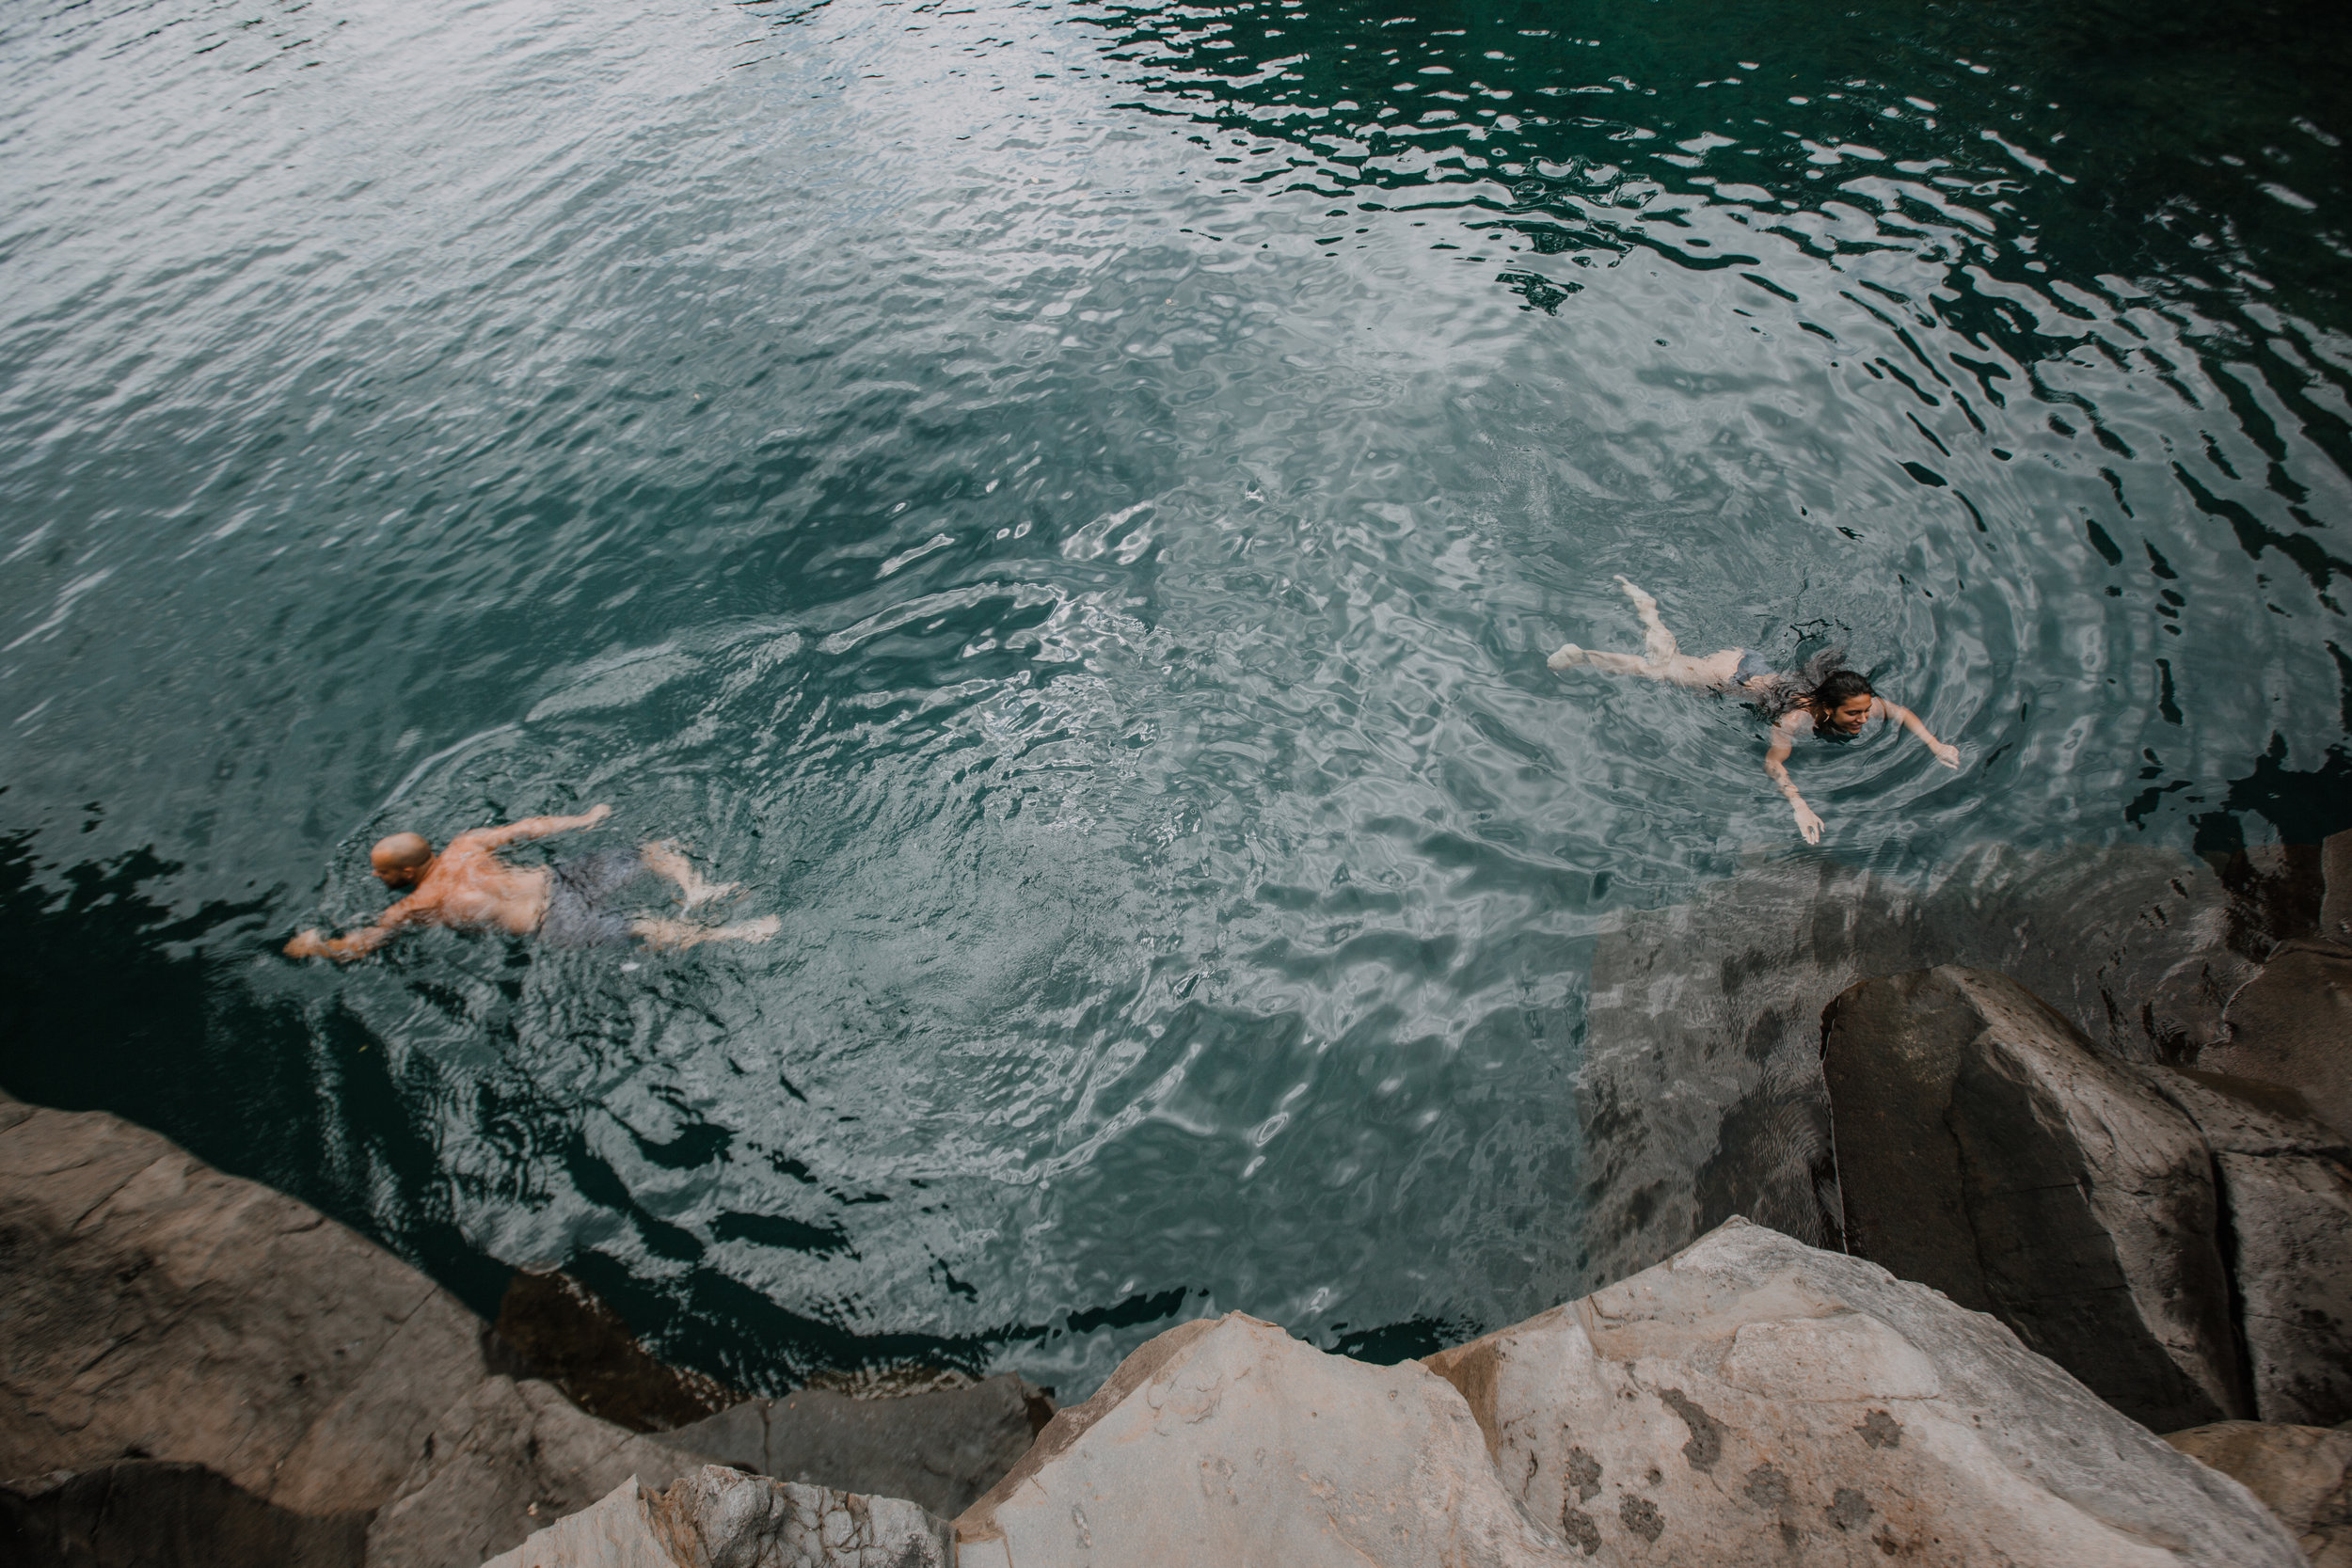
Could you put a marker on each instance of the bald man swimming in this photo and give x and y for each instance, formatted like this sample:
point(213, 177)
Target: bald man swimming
point(575, 904)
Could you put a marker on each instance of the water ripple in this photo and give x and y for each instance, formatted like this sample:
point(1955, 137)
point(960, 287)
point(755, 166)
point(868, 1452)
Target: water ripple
point(1070, 504)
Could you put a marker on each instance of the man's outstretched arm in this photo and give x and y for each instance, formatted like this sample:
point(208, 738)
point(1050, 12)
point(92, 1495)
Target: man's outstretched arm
point(537, 826)
point(314, 944)
point(1948, 756)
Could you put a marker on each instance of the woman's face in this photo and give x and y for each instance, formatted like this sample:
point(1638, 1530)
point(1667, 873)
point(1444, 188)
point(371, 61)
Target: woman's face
point(1848, 716)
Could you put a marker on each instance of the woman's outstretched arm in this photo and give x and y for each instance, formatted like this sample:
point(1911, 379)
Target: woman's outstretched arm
point(1776, 768)
point(1948, 756)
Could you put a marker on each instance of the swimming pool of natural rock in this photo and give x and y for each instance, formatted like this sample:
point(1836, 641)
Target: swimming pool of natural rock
point(1069, 502)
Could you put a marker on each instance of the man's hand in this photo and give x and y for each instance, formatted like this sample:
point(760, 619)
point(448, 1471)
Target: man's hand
point(1948, 756)
point(599, 812)
point(1808, 823)
point(310, 944)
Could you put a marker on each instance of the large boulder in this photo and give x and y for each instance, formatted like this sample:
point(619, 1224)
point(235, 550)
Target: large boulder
point(942, 1448)
point(1753, 1399)
point(1701, 1091)
point(1757, 1400)
point(2292, 1025)
point(722, 1518)
point(2303, 1474)
point(1225, 1441)
point(151, 1308)
point(1986, 1149)
point(2285, 1186)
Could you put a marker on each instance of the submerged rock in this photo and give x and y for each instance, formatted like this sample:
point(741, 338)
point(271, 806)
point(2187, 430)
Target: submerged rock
point(941, 1450)
point(722, 1518)
point(1986, 1149)
point(1758, 1400)
point(2302, 1474)
point(1701, 1092)
point(573, 1339)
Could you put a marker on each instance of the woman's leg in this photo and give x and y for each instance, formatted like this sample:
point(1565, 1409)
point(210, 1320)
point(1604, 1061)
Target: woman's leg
point(1656, 641)
point(1662, 659)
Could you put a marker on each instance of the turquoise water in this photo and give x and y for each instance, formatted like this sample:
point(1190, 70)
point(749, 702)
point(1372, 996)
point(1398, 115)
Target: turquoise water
point(1071, 502)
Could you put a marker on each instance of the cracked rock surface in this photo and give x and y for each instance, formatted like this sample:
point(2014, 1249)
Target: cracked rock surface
point(723, 1519)
point(152, 1307)
point(157, 1315)
point(1751, 1400)
point(1754, 1399)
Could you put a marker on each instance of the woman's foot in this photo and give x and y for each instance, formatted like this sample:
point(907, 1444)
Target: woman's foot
point(1567, 658)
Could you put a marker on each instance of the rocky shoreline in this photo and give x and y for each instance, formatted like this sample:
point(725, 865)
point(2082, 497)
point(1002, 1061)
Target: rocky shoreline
point(2055, 1156)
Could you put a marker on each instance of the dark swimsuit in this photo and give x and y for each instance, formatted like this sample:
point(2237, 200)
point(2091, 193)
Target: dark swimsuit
point(1751, 665)
point(584, 904)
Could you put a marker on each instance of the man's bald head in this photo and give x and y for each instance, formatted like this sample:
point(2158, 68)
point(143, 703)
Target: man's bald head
point(398, 857)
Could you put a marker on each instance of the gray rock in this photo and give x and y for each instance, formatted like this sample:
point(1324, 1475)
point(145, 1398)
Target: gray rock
point(941, 1450)
point(502, 1462)
point(2292, 1025)
point(2286, 1193)
point(1758, 1399)
point(2303, 1474)
point(152, 1307)
point(1701, 1092)
point(722, 1518)
point(2335, 907)
point(1227, 1441)
point(1754, 1400)
point(1986, 1149)
point(149, 1514)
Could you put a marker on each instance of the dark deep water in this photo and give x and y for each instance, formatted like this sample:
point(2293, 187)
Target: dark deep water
point(1071, 501)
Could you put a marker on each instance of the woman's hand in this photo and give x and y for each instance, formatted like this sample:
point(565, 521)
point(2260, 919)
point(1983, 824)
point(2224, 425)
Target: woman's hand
point(310, 944)
point(1948, 756)
point(1808, 823)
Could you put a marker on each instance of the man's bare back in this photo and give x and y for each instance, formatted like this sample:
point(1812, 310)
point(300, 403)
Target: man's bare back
point(468, 886)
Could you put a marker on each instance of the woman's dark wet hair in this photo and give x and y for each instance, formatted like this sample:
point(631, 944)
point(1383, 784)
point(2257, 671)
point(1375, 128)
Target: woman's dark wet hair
point(1836, 688)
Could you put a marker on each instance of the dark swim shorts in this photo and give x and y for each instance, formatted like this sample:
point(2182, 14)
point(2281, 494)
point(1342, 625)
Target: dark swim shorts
point(585, 907)
point(1751, 665)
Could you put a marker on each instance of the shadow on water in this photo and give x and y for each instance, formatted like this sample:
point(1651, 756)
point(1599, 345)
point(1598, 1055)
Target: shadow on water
point(112, 1002)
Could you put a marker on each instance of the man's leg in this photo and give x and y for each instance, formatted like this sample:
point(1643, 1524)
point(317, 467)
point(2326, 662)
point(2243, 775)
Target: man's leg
point(670, 936)
point(666, 860)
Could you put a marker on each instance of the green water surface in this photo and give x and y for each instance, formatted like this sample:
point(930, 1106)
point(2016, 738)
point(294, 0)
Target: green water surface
point(1069, 502)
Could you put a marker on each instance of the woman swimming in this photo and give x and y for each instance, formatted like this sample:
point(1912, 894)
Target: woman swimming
point(1841, 702)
